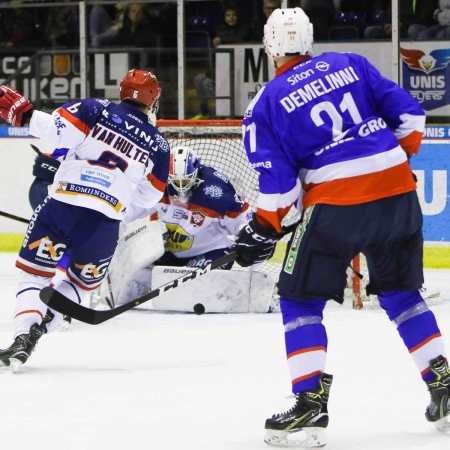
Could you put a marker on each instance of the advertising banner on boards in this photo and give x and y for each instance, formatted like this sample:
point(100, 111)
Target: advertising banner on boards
point(425, 73)
point(59, 75)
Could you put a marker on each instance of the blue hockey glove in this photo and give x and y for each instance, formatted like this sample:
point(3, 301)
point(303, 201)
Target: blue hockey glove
point(45, 167)
point(255, 243)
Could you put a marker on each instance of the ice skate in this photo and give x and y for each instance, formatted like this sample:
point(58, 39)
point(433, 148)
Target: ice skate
point(65, 324)
point(309, 415)
point(22, 347)
point(438, 411)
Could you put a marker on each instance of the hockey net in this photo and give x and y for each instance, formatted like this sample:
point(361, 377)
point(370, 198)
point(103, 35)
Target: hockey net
point(219, 144)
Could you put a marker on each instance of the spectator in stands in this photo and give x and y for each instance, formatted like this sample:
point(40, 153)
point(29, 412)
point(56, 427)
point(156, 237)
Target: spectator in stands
point(321, 14)
point(103, 30)
point(231, 30)
point(257, 28)
point(439, 30)
point(63, 27)
point(415, 16)
point(136, 30)
point(139, 30)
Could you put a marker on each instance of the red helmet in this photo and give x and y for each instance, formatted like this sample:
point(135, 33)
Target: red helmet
point(140, 86)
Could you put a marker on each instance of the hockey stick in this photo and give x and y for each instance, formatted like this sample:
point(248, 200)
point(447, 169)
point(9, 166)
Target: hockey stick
point(111, 303)
point(12, 216)
point(35, 149)
point(54, 299)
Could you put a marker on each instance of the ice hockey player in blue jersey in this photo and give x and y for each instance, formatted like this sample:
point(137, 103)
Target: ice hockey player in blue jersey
point(116, 159)
point(334, 136)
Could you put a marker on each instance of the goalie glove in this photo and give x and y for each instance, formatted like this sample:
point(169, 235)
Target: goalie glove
point(14, 107)
point(45, 167)
point(255, 243)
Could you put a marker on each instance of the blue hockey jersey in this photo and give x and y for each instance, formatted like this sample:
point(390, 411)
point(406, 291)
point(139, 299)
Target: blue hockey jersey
point(330, 129)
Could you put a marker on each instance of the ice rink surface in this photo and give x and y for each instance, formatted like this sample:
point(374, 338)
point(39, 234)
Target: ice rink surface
point(159, 381)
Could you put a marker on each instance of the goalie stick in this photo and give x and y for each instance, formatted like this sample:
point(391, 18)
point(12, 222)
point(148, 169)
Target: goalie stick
point(55, 300)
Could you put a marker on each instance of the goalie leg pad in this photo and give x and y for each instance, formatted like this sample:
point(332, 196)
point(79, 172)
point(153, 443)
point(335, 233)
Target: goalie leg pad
point(139, 246)
point(218, 291)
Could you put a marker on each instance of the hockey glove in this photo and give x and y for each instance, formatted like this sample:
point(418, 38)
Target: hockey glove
point(255, 243)
point(45, 167)
point(14, 107)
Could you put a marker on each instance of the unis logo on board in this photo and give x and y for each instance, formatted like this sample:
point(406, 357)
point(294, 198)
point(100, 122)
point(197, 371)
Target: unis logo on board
point(426, 76)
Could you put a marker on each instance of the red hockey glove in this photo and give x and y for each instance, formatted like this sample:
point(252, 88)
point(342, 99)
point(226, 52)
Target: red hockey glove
point(14, 106)
point(255, 243)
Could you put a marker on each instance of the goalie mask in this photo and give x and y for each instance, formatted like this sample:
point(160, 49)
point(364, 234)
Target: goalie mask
point(183, 171)
point(141, 86)
point(288, 32)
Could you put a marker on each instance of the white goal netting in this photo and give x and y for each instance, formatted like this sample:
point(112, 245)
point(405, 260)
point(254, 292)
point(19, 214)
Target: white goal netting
point(219, 144)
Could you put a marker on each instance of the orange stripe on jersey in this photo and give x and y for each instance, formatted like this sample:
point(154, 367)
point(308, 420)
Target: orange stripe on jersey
point(81, 286)
point(157, 184)
point(361, 189)
point(77, 123)
point(165, 200)
point(305, 377)
point(233, 214)
point(34, 271)
point(411, 143)
point(30, 311)
point(272, 219)
point(425, 342)
point(307, 350)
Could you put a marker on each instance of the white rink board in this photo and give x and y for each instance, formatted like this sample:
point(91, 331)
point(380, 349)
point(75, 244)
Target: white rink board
point(16, 177)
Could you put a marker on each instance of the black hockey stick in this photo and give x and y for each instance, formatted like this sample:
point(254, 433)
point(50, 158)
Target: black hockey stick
point(54, 299)
point(12, 216)
point(35, 149)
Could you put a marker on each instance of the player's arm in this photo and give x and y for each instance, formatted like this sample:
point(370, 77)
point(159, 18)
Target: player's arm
point(238, 214)
point(152, 186)
point(45, 167)
point(279, 187)
point(14, 107)
point(279, 184)
point(402, 113)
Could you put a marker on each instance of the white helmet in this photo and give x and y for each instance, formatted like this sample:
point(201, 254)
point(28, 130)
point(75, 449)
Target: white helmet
point(288, 32)
point(183, 170)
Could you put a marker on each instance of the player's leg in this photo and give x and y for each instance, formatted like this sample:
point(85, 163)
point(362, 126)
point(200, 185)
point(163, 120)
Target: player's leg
point(395, 264)
point(314, 270)
point(93, 239)
point(38, 258)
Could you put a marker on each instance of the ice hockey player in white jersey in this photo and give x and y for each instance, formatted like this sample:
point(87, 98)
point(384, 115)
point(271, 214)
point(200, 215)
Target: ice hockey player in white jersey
point(116, 158)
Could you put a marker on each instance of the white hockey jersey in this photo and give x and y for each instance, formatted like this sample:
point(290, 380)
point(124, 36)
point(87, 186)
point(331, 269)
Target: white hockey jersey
point(113, 152)
point(213, 213)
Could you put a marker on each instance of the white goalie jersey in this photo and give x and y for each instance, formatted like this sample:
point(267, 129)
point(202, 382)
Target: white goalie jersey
point(213, 213)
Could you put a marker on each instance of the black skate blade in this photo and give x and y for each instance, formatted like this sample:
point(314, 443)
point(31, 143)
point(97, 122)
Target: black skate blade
point(309, 437)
